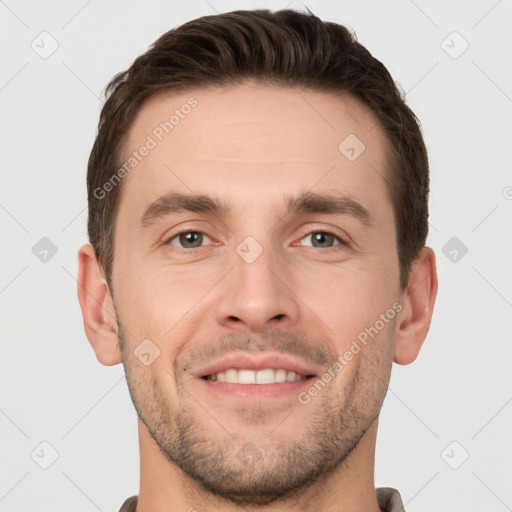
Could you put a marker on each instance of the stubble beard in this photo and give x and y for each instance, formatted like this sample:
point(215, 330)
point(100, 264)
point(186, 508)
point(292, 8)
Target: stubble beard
point(240, 469)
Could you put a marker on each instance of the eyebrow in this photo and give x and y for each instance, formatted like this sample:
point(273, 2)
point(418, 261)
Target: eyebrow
point(308, 202)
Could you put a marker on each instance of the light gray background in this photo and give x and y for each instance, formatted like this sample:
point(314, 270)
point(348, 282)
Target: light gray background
point(51, 386)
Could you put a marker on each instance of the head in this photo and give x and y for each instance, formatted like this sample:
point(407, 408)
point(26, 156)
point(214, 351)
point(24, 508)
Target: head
point(258, 195)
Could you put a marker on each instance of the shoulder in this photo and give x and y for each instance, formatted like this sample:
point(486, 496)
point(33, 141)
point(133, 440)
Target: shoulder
point(389, 500)
point(129, 505)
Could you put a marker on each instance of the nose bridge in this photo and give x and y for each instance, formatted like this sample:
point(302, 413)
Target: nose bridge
point(253, 264)
point(255, 294)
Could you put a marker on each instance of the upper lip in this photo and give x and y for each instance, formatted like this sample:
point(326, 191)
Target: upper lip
point(255, 362)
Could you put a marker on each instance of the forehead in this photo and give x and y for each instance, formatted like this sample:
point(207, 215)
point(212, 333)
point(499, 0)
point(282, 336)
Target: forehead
point(255, 138)
point(224, 117)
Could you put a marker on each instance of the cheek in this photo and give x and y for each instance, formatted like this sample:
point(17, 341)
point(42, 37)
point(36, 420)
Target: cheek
point(160, 302)
point(352, 303)
point(355, 289)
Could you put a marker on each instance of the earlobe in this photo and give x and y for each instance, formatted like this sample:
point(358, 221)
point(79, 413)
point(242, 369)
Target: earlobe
point(97, 308)
point(418, 305)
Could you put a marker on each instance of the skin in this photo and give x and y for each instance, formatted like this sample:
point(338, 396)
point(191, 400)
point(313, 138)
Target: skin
point(251, 146)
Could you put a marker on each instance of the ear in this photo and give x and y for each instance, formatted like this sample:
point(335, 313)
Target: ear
point(97, 308)
point(418, 305)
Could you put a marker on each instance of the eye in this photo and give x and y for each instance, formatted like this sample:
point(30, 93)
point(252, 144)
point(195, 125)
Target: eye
point(188, 239)
point(323, 239)
point(194, 239)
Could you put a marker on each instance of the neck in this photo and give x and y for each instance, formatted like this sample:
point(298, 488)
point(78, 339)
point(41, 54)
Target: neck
point(350, 487)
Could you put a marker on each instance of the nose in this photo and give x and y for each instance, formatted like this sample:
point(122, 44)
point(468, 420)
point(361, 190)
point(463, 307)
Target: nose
point(258, 295)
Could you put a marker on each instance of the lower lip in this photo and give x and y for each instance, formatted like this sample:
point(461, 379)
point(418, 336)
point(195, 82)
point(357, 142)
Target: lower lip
point(276, 390)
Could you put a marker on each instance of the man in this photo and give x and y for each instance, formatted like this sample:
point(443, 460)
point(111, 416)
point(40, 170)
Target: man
point(257, 215)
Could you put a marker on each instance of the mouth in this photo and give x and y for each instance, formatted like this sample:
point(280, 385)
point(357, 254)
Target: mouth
point(264, 375)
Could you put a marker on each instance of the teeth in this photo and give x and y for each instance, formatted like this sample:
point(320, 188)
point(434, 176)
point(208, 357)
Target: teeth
point(266, 376)
point(231, 375)
point(246, 377)
point(280, 376)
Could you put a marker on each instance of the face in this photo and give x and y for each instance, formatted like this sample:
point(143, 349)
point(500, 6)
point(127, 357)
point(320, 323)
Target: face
point(257, 258)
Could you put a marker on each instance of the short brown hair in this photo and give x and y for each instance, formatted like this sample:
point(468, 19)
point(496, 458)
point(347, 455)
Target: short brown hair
point(285, 48)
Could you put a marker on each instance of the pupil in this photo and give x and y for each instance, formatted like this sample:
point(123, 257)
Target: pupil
point(321, 238)
point(190, 238)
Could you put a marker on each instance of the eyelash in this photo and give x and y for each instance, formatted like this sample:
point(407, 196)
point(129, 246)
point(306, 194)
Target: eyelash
point(322, 231)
